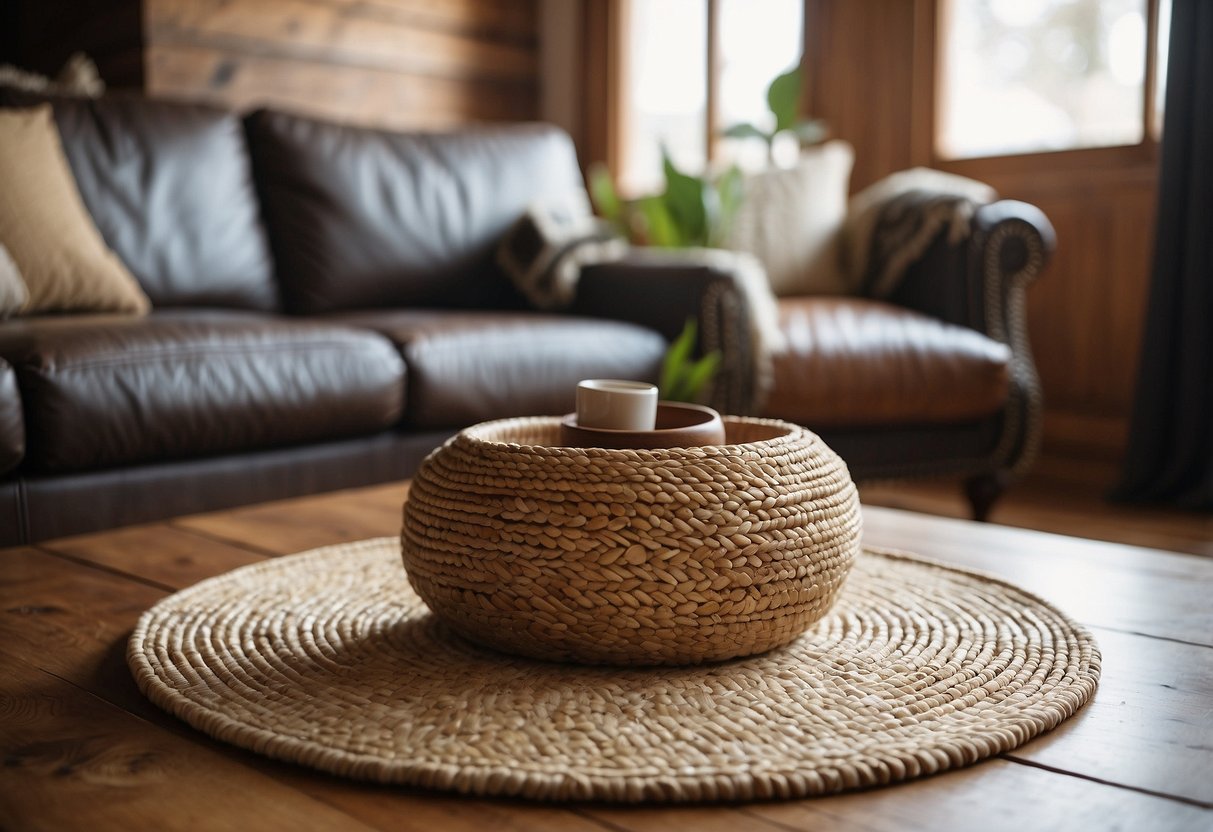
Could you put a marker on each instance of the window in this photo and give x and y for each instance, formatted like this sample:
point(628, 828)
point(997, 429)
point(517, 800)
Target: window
point(666, 89)
point(1026, 76)
point(693, 67)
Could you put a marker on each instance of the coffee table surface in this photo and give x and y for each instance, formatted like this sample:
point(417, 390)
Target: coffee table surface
point(82, 749)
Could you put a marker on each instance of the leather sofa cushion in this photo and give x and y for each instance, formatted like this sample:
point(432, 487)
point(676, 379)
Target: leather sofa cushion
point(106, 390)
point(12, 422)
point(170, 188)
point(467, 367)
point(362, 218)
point(854, 363)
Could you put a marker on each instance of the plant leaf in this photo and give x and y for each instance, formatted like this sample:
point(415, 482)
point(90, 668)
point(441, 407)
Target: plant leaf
point(687, 200)
point(745, 131)
point(730, 186)
point(698, 376)
point(603, 195)
point(783, 97)
point(673, 366)
point(810, 132)
point(660, 228)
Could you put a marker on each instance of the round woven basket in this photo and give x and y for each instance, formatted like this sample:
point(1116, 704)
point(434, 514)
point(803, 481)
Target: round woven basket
point(675, 556)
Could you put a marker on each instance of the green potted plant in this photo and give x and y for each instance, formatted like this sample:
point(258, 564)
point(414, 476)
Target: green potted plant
point(690, 211)
point(783, 99)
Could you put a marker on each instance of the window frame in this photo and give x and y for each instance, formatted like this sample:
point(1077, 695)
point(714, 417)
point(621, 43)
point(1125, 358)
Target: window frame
point(621, 22)
point(928, 86)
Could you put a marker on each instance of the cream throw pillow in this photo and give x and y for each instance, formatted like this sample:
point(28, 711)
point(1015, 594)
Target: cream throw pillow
point(790, 219)
point(13, 294)
point(59, 253)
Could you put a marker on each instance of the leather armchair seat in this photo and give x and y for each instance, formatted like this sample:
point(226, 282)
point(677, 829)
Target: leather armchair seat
point(853, 362)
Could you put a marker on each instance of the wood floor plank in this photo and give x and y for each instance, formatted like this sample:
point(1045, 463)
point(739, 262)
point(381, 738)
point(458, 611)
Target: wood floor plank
point(72, 621)
point(159, 553)
point(407, 810)
point(68, 611)
point(1101, 584)
point(711, 818)
point(1149, 725)
point(995, 795)
point(1060, 497)
point(290, 526)
point(71, 617)
point(74, 761)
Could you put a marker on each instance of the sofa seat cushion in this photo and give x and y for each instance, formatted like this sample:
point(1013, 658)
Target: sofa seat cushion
point(12, 422)
point(101, 390)
point(853, 363)
point(467, 367)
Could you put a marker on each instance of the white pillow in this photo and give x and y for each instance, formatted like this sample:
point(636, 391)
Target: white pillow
point(790, 219)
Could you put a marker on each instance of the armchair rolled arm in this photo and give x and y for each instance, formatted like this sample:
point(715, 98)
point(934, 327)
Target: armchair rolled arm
point(661, 290)
point(981, 284)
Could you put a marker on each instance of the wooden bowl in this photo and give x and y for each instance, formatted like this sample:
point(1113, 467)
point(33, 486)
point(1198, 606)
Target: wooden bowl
point(679, 425)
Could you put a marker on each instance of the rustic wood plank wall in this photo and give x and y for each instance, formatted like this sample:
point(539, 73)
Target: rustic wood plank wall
point(869, 76)
point(396, 63)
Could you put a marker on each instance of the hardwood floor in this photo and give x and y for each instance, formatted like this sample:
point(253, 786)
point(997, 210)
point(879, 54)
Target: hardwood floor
point(1064, 496)
point(83, 749)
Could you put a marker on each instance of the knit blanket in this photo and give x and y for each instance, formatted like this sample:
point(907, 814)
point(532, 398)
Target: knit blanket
point(546, 250)
point(891, 224)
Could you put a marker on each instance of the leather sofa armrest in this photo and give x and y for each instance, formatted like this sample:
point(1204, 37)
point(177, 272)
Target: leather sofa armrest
point(972, 284)
point(981, 283)
point(661, 290)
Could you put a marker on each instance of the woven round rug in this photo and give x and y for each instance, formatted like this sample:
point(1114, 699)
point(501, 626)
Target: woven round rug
point(328, 659)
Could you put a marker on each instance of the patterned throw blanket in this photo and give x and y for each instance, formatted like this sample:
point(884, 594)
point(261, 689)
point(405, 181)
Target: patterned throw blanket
point(546, 250)
point(891, 224)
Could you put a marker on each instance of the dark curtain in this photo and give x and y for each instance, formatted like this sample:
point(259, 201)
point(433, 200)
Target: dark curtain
point(1170, 453)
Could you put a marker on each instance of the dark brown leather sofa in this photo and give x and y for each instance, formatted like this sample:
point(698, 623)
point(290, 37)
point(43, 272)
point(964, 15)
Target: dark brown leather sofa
point(327, 310)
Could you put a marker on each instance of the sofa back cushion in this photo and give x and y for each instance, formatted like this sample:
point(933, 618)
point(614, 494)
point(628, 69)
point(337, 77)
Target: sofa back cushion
point(366, 218)
point(170, 188)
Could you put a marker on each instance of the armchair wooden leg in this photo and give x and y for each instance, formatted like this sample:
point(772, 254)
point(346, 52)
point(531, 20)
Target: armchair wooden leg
point(984, 490)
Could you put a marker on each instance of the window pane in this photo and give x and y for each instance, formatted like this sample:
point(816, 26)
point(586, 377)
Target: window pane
point(665, 92)
point(1030, 75)
point(757, 42)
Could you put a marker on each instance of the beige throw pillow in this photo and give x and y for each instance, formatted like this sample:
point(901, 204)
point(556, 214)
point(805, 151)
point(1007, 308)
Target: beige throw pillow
point(59, 253)
point(13, 294)
point(790, 219)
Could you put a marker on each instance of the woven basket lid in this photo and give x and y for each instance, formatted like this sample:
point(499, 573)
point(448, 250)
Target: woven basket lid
point(328, 659)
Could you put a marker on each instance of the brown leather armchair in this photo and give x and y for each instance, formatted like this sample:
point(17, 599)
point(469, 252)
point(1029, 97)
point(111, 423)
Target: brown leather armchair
point(935, 380)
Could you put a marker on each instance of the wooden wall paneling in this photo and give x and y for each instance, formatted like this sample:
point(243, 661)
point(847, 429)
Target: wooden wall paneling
point(1086, 314)
point(340, 33)
point(860, 66)
point(602, 83)
point(561, 52)
point(493, 18)
point(399, 64)
point(356, 94)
